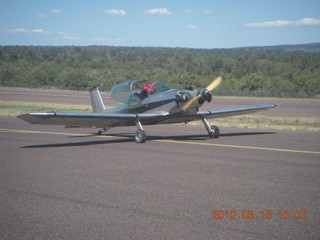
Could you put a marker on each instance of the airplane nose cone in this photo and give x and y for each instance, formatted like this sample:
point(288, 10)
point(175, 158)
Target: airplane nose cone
point(205, 94)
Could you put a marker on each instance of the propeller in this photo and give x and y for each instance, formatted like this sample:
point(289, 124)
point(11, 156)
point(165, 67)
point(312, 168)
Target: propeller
point(215, 83)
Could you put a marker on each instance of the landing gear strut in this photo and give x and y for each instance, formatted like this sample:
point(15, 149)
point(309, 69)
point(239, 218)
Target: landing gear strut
point(140, 135)
point(213, 131)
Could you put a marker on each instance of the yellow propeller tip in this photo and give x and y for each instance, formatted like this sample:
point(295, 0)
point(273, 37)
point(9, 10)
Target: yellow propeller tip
point(215, 83)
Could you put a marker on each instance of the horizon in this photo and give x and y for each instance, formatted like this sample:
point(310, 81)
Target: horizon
point(271, 46)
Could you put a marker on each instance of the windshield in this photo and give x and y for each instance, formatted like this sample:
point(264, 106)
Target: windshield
point(121, 92)
point(135, 92)
point(160, 87)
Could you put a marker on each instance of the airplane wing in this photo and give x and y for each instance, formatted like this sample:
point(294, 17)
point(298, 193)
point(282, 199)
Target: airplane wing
point(100, 120)
point(227, 112)
point(105, 120)
point(217, 113)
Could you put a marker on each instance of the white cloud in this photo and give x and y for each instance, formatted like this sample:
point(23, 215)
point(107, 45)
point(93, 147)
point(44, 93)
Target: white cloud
point(279, 23)
point(308, 22)
point(192, 27)
point(39, 30)
point(41, 15)
point(158, 11)
point(24, 30)
point(18, 30)
point(187, 11)
point(56, 11)
point(284, 23)
point(207, 11)
point(116, 12)
point(66, 36)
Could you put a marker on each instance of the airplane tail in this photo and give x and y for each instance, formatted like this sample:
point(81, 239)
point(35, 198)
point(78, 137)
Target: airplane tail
point(96, 100)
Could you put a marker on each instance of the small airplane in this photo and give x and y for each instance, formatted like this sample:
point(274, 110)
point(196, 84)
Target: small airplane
point(142, 103)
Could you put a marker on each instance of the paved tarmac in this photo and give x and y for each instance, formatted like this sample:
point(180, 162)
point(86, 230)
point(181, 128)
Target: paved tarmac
point(61, 183)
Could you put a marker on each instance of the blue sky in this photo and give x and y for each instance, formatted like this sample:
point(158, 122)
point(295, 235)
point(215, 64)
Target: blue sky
point(159, 23)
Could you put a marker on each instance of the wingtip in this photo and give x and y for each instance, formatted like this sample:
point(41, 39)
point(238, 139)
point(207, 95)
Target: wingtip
point(25, 117)
point(32, 117)
point(21, 116)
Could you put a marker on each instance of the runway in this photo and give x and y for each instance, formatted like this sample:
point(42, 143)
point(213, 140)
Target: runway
point(61, 183)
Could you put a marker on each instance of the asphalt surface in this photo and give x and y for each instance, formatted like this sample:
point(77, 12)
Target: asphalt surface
point(61, 183)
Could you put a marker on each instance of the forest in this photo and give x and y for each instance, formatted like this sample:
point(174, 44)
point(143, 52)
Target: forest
point(245, 71)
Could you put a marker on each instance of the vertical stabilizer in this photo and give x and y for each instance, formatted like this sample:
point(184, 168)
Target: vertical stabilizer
point(96, 100)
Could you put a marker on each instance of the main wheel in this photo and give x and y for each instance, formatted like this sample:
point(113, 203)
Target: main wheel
point(140, 136)
point(215, 132)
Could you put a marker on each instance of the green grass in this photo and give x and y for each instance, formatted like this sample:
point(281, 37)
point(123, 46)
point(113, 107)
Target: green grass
point(268, 122)
point(13, 108)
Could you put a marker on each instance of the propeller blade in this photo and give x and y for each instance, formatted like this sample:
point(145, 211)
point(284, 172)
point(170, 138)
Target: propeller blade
point(215, 83)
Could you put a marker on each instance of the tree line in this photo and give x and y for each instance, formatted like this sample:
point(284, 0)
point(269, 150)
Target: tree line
point(246, 72)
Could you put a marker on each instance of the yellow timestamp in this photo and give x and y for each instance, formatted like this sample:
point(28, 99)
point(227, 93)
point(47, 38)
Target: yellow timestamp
point(265, 214)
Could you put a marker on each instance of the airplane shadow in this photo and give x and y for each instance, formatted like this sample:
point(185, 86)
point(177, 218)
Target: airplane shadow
point(95, 134)
point(79, 144)
point(205, 136)
point(245, 134)
point(125, 138)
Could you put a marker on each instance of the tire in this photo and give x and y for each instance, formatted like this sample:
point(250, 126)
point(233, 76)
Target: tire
point(215, 133)
point(140, 136)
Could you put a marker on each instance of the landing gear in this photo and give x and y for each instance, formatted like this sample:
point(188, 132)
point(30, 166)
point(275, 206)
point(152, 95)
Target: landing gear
point(102, 131)
point(140, 135)
point(213, 131)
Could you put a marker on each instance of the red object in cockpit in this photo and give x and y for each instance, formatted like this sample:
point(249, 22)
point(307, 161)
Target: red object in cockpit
point(149, 88)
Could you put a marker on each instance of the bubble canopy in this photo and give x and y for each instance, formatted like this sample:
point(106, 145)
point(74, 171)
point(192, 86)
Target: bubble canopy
point(130, 93)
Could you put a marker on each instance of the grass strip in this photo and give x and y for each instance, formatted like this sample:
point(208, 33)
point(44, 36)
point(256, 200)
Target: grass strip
point(13, 108)
point(267, 122)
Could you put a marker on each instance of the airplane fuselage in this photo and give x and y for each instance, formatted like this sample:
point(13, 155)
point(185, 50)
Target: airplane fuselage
point(168, 101)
